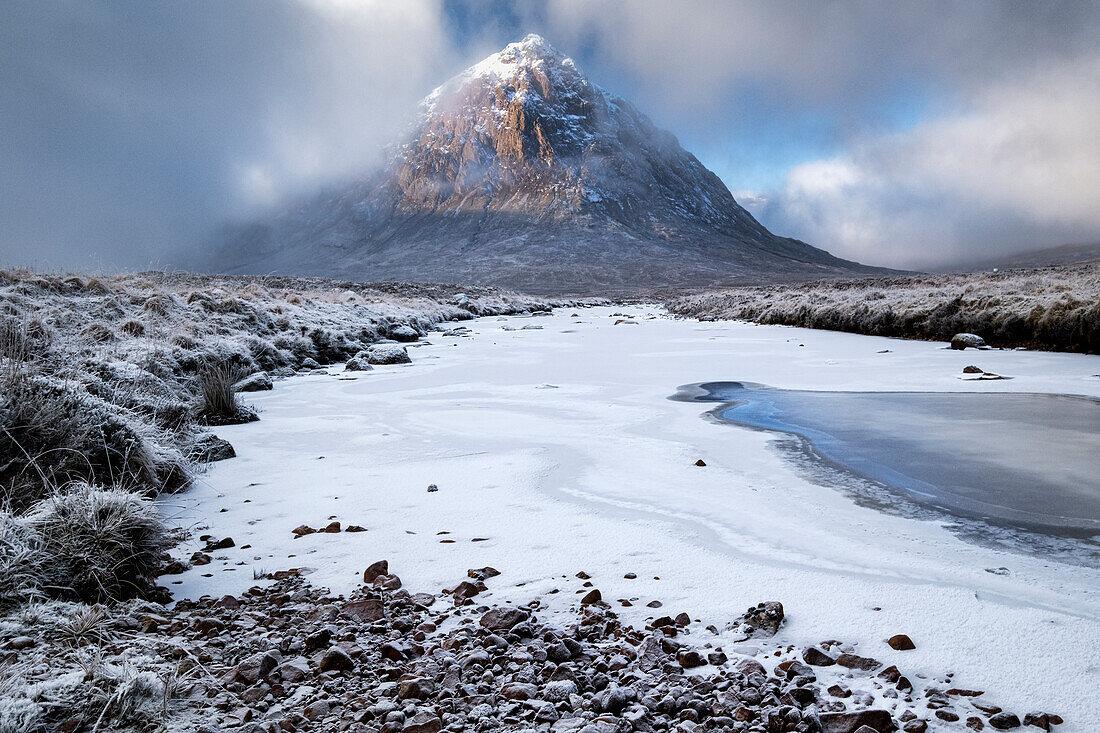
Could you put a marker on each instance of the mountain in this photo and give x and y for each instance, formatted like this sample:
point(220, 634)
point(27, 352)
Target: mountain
point(521, 172)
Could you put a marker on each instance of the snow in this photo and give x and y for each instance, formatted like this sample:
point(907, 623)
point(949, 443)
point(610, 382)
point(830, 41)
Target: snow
point(559, 447)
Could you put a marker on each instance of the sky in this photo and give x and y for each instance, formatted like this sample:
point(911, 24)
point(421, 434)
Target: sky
point(913, 135)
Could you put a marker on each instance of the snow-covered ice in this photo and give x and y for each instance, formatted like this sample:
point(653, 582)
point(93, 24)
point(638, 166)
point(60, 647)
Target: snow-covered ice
point(559, 449)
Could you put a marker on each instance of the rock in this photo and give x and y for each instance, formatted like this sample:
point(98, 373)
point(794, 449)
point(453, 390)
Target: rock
point(358, 363)
point(901, 643)
point(308, 363)
point(962, 341)
point(1039, 720)
point(915, 726)
point(592, 596)
point(382, 567)
point(817, 657)
point(293, 671)
point(700, 462)
point(355, 528)
point(332, 528)
point(386, 354)
point(503, 618)
point(258, 382)
point(682, 619)
point(762, 620)
point(1004, 721)
point(717, 658)
point(256, 667)
point(366, 609)
point(21, 642)
point(335, 660)
point(973, 370)
point(689, 658)
point(222, 544)
point(423, 722)
point(302, 530)
point(519, 691)
point(854, 661)
point(316, 710)
point(849, 722)
point(482, 573)
point(417, 688)
point(210, 449)
point(404, 333)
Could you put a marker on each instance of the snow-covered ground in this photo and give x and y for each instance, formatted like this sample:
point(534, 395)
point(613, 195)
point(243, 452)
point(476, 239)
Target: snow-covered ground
point(557, 450)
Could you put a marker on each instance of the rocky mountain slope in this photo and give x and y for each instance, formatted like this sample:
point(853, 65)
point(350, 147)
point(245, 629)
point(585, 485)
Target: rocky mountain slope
point(520, 171)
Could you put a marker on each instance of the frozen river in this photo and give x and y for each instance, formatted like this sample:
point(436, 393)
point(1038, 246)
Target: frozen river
point(553, 444)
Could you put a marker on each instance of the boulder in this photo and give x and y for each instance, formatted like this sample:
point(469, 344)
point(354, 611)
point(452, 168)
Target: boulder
point(850, 722)
point(962, 341)
point(762, 620)
point(854, 661)
point(381, 567)
point(973, 370)
point(404, 333)
point(258, 382)
point(386, 354)
point(1004, 721)
point(335, 660)
point(358, 363)
point(503, 618)
point(817, 658)
point(901, 642)
point(211, 448)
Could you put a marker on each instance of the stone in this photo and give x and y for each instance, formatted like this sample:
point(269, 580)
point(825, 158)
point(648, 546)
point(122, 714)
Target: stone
point(258, 382)
point(310, 363)
point(762, 620)
point(386, 354)
point(1004, 721)
point(332, 528)
point(382, 567)
point(592, 596)
point(358, 363)
point(483, 573)
point(519, 691)
point(403, 333)
point(849, 722)
point(1039, 720)
point(817, 658)
point(366, 609)
point(854, 661)
point(355, 528)
point(302, 530)
point(316, 710)
point(423, 722)
point(222, 544)
point(503, 618)
point(689, 658)
point(901, 643)
point(21, 642)
point(717, 658)
point(335, 660)
point(256, 667)
point(210, 449)
point(973, 370)
point(700, 462)
point(962, 341)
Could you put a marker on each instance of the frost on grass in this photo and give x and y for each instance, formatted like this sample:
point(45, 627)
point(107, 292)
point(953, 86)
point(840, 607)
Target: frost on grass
point(107, 386)
point(1054, 308)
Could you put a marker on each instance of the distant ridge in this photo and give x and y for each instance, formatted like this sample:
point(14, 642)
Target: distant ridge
point(521, 172)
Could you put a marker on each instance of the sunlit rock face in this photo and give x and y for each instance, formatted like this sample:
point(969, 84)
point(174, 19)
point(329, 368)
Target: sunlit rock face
point(521, 172)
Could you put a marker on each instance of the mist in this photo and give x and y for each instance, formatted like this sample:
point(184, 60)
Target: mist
point(911, 136)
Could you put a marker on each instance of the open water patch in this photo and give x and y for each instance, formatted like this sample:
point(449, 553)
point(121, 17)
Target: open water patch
point(1015, 464)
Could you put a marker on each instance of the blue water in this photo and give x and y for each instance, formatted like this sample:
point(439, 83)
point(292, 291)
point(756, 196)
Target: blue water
point(1028, 461)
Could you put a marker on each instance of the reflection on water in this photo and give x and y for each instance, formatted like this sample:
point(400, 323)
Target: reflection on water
point(1030, 461)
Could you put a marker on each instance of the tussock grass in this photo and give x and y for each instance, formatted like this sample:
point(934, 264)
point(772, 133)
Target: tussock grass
point(98, 544)
point(1056, 308)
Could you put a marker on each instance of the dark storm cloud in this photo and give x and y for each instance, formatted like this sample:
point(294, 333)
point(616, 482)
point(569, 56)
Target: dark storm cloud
point(905, 134)
point(130, 128)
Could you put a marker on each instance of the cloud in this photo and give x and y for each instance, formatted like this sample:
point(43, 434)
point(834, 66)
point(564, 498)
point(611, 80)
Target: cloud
point(895, 133)
point(1018, 170)
point(131, 128)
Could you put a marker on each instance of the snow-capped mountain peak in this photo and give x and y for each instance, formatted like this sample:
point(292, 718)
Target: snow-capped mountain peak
point(521, 171)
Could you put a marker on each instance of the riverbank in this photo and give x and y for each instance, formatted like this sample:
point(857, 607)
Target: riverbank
point(1054, 308)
